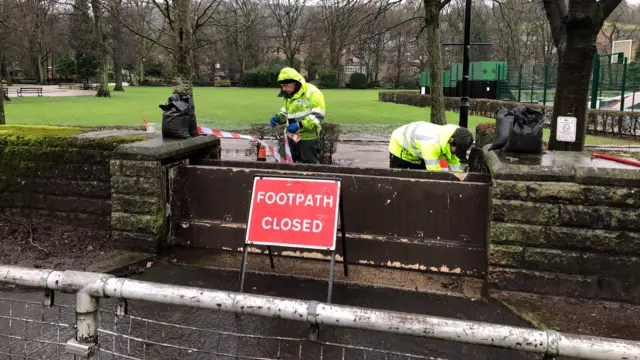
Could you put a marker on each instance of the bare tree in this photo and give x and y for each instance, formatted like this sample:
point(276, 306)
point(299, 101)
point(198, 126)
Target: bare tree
point(620, 25)
point(116, 38)
point(242, 27)
point(575, 27)
point(344, 21)
point(175, 34)
point(288, 16)
point(98, 33)
point(432, 10)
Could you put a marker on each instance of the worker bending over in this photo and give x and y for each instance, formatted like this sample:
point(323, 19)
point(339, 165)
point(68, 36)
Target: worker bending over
point(303, 112)
point(422, 144)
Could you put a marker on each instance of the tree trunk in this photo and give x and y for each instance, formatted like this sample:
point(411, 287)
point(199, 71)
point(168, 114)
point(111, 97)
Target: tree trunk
point(183, 39)
point(2, 120)
point(140, 70)
point(4, 70)
point(117, 55)
point(574, 75)
point(103, 83)
point(432, 25)
point(117, 69)
point(398, 63)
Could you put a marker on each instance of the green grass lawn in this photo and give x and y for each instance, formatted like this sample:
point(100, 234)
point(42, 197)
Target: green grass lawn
point(222, 108)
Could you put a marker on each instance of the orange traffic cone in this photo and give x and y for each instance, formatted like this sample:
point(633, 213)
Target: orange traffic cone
point(262, 154)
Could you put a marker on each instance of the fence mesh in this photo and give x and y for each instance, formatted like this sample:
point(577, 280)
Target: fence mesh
point(32, 330)
point(137, 338)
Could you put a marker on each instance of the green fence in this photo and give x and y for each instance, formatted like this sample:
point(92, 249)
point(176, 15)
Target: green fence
point(537, 84)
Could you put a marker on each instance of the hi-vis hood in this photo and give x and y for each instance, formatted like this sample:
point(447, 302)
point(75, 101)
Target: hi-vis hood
point(291, 74)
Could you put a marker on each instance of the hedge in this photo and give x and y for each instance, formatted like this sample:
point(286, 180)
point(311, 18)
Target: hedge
point(599, 122)
point(263, 77)
point(358, 81)
point(329, 137)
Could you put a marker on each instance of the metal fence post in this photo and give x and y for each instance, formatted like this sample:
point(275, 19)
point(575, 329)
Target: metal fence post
point(595, 81)
point(520, 84)
point(624, 83)
point(85, 345)
point(533, 78)
point(544, 90)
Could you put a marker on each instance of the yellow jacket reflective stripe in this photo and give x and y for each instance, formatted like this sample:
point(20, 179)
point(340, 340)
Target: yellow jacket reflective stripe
point(422, 140)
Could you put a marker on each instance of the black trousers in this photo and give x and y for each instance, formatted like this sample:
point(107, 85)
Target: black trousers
point(304, 151)
point(397, 163)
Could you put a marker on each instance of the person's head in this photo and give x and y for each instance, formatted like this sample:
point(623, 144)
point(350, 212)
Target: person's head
point(460, 142)
point(289, 86)
point(290, 81)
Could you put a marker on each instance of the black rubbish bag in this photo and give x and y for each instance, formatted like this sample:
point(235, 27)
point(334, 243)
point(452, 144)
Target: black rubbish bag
point(526, 133)
point(504, 123)
point(179, 118)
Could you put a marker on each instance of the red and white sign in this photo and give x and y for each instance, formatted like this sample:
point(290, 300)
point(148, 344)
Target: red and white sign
point(301, 213)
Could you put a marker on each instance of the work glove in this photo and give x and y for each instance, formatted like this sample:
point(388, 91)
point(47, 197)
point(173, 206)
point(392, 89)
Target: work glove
point(274, 121)
point(293, 128)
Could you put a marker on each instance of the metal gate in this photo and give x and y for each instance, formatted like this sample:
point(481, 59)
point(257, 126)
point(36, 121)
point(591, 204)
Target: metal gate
point(418, 220)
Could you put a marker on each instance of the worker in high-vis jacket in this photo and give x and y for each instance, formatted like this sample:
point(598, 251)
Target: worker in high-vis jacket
point(303, 112)
point(421, 145)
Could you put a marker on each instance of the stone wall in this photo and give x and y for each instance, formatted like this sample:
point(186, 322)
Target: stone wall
point(565, 225)
point(139, 182)
point(53, 175)
point(114, 182)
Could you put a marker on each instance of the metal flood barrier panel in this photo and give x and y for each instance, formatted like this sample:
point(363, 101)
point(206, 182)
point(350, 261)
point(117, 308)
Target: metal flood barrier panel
point(418, 220)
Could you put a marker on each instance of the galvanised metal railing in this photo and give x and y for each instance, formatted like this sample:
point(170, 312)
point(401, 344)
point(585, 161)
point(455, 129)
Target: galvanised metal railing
point(89, 288)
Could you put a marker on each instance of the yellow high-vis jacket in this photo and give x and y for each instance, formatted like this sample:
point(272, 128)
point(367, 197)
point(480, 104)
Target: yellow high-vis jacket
point(423, 140)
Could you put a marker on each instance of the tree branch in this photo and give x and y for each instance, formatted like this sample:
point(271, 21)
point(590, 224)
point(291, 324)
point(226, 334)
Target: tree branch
point(136, 32)
point(608, 6)
point(556, 11)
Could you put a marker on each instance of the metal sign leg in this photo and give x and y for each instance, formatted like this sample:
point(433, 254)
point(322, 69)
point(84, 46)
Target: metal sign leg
point(243, 267)
point(333, 262)
point(273, 265)
point(343, 233)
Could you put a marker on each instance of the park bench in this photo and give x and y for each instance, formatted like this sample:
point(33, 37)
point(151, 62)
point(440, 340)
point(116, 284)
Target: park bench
point(70, 85)
point(23, 90)
point(86, 86)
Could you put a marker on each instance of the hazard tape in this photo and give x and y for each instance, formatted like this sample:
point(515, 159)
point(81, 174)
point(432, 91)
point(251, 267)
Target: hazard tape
point(231, 135)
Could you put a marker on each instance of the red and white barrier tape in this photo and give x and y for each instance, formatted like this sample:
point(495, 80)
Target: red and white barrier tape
point(230, 135)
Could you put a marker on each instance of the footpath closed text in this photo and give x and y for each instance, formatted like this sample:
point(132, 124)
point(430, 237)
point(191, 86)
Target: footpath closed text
point(295, 200)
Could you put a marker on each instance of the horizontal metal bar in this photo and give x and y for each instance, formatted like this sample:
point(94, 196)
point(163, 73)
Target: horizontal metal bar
point(547, 342)
point(462, 44)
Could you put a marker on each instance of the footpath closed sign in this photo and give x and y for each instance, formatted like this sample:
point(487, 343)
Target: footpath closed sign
point(301, 213)
point(566, 129)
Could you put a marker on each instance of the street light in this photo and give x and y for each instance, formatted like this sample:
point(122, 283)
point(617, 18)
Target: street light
point(464, 98)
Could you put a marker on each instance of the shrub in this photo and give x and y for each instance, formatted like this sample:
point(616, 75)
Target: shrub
point(329, 137)
point(66, 66)
point(599, 122)
point(262, 77)
point(222, 83)
point(328, 78)
point(358, 81)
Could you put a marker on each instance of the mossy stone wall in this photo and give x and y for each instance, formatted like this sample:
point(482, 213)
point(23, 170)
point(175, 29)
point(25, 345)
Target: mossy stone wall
point(568, 226)
point(108, 181)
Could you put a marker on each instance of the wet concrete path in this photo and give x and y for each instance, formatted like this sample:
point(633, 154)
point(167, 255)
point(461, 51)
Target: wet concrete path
point(158, 331)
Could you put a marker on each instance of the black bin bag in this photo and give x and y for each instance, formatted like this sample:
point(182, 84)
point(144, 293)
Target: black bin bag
point(179, 118)
point(504, 123)
point(526, 133)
